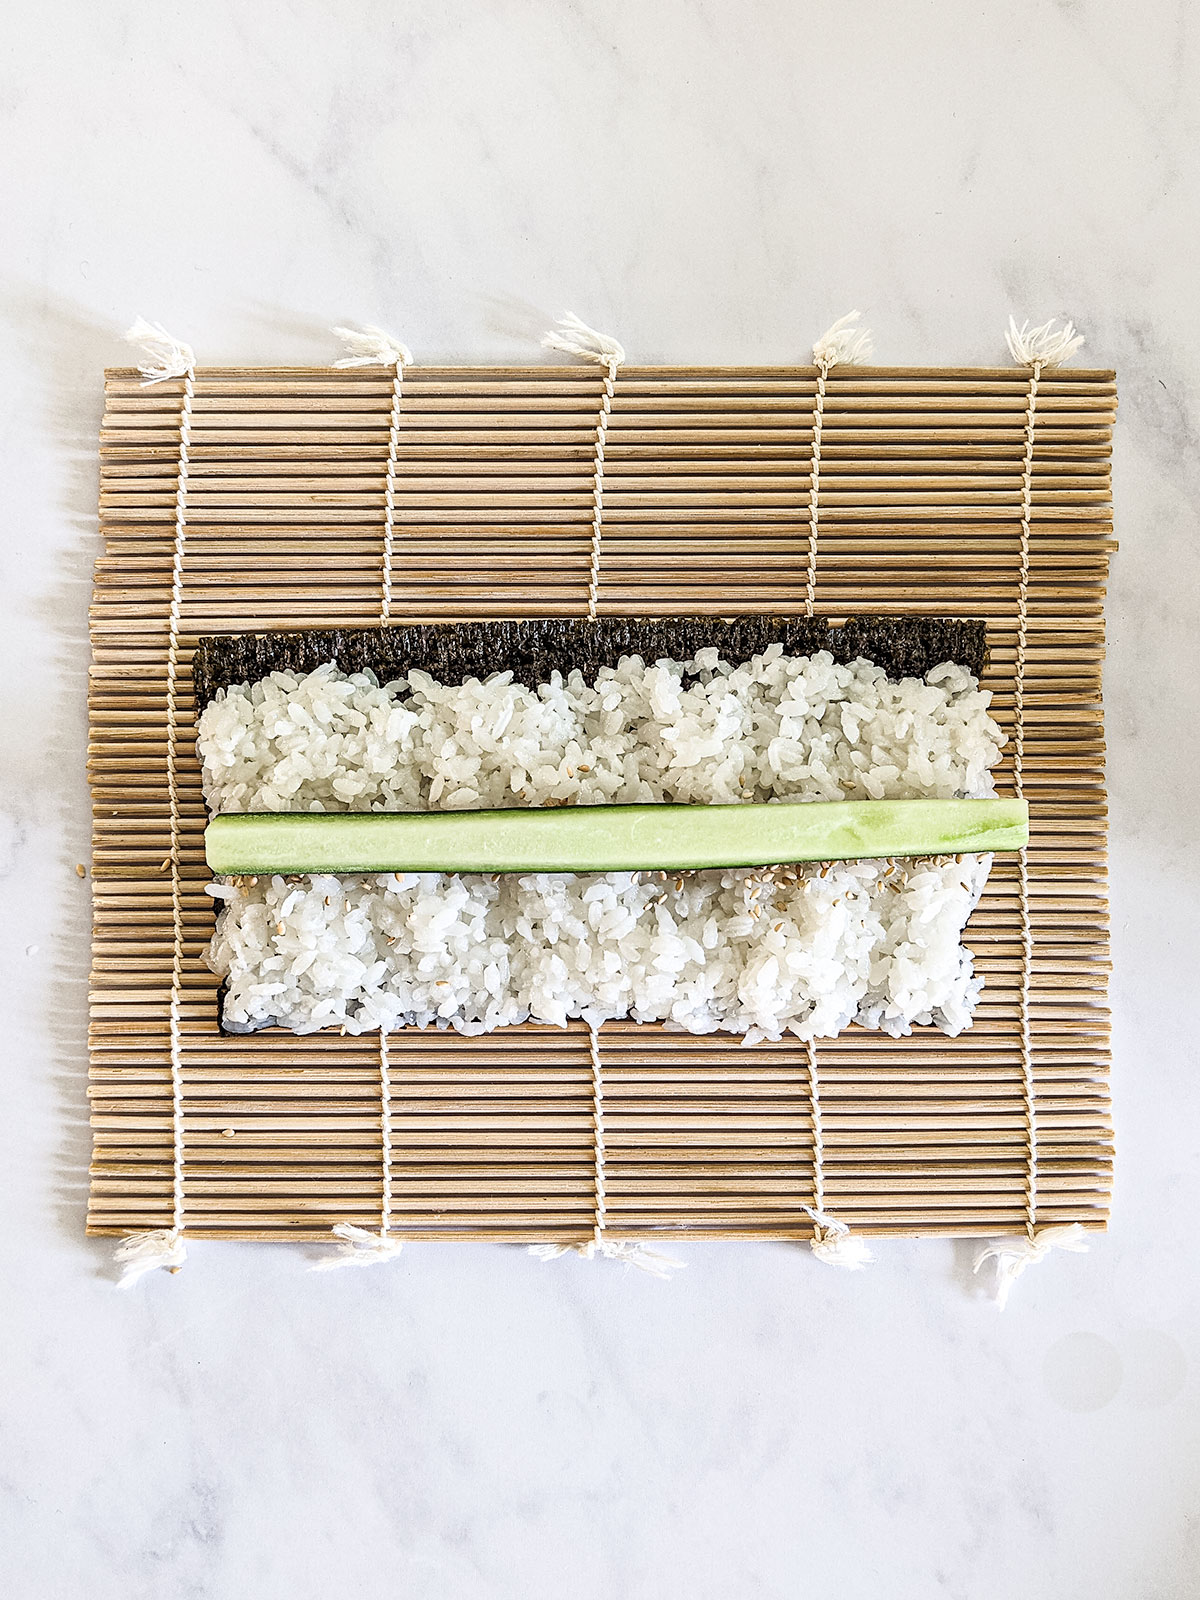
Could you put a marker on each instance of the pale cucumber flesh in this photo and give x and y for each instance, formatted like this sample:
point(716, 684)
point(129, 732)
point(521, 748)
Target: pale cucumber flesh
point(609, 838)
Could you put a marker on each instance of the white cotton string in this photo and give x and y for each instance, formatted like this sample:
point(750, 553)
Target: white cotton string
point(1046, 345)
point(831, 1242)
point(841, 345)
point(834, 1244)
point(165, 356)
point(1013, 1256)
point(373, 347)
point(356, 1246)
point(1028, 1081)
point(1036, 348)
point(168, 357)
point(600, 1175)
point(656, 1262)
point(139, 1253)
point(575, 338)
point(385, 1134)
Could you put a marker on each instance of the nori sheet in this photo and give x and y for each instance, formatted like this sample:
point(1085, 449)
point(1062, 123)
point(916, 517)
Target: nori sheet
point(452, 652)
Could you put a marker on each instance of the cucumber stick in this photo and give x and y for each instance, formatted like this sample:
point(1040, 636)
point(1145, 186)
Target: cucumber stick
point(609, 838)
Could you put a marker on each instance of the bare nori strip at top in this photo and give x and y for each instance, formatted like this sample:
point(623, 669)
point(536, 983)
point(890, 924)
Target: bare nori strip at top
point(452, 652)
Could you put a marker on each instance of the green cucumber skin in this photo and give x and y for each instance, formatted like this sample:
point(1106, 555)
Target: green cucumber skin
point(609, 838)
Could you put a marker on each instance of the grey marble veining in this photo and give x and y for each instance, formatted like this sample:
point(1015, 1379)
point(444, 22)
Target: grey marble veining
point(712, 181)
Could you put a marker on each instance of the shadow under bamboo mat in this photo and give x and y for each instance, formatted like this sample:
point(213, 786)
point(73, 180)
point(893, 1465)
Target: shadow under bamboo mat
point(706, 508)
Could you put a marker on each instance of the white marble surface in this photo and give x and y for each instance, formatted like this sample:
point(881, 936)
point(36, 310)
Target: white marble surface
point(712, 181)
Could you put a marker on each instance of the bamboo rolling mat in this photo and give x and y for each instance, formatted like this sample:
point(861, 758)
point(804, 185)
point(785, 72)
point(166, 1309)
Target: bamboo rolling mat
point(706, 508)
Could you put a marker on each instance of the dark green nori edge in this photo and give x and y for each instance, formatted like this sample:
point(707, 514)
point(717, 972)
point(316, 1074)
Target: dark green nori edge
point(451, 652)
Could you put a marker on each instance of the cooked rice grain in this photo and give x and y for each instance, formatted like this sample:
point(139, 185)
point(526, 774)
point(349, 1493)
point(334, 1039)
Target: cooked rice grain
point(776, 728)
point(760, 952)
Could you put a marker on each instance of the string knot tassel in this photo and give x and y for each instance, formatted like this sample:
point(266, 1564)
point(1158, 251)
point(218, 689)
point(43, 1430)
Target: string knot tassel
point(165, 355)
point(844, 343)
point(369, 346)
point(642, 1256)
point(139, 1253)
point(573, 337)
point(1012, 1256)
point(834, 1244)
point(1043, 346)
point(358, 1247)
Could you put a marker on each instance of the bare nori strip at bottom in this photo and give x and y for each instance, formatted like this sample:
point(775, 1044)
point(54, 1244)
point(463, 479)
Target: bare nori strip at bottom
point(451, 652)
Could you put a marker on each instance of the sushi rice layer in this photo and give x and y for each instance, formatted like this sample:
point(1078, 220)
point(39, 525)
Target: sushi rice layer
point(758, 952)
